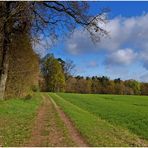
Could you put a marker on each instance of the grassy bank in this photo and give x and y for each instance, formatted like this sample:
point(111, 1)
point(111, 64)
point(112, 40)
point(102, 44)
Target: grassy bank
point(16, 118)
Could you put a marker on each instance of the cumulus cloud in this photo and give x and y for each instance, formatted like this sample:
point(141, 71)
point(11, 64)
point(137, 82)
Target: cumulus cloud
point(79, 43)
point(40, 49)
point(127, 38)
point(42, 44)
point(121, 57)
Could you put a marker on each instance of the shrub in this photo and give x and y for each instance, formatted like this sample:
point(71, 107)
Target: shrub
point(35, 88)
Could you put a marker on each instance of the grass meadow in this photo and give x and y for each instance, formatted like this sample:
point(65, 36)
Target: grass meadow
point(101, 120)
point(107, 120)
point(16, 120)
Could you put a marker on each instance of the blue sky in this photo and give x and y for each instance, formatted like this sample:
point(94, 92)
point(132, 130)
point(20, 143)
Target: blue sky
point(123, 54)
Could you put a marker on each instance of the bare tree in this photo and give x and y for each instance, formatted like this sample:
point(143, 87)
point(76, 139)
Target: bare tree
point(47, 18)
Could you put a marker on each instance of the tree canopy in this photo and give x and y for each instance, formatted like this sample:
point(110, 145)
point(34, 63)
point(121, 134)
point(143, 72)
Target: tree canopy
point(53, 74)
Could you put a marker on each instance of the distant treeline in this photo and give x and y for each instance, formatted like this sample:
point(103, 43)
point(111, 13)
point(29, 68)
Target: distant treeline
point(103, 85)
point(56, 77)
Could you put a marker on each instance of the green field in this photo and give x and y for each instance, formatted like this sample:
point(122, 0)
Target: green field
point(107, 120)
point(101, 120)
point(19, 117)
point(16, 119)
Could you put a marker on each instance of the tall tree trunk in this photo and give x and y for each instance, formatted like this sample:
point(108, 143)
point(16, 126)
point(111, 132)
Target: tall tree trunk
point(4, 75)
point(5, 51)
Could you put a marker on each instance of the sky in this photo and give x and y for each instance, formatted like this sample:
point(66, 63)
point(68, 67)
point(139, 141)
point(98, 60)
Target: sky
point(123, 54)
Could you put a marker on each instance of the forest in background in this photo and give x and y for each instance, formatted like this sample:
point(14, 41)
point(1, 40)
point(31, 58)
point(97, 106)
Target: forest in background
point(56, 76)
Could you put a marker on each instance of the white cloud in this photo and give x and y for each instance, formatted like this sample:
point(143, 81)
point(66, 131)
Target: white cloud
point(121, 57)
point(127, 31)
point(40, 49)
point(42, 45)
point(115, 39)
point(79, 43)
point(124, 33)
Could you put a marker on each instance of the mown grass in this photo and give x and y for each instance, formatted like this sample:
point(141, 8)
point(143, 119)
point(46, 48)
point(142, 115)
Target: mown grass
point(97, 132)
point(16, 118)
point(130, 112)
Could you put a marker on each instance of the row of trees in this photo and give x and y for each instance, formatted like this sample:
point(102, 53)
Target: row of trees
point(103, 85)
point(57, 77)
point(27, 22)
point(23, 68)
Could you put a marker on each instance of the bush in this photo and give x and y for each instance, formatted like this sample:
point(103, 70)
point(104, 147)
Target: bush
point(35, 88)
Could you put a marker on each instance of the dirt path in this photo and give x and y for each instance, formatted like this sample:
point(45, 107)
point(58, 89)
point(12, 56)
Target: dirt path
point(36, 137)
point(53, 128)
point(77, 138)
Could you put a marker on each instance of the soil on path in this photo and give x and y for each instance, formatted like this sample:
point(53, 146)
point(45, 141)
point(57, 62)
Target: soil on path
point(53, 128)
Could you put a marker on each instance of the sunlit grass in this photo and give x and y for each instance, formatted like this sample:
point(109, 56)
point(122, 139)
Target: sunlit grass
point(130, 112)
point(96, 131)
point(16, 118)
